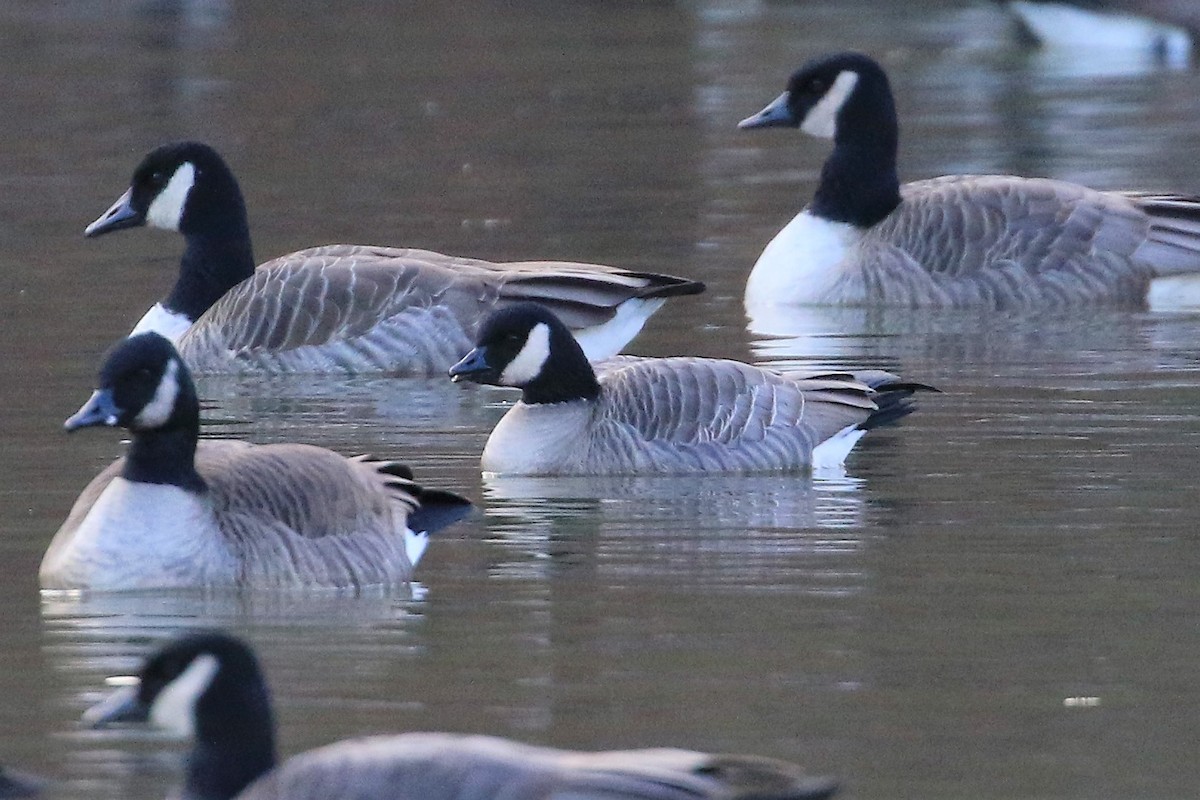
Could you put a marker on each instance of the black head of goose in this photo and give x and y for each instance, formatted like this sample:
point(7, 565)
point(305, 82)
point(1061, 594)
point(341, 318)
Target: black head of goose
point(209, 687)
point(994, 241)
point(346, 308)
point(662, 415)
point(178, 512)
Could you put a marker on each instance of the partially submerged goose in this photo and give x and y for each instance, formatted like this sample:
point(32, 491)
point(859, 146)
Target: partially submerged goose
point(346, 308)
point(175, 512)
point(209, 687)
point(662, 415)
point(994, 241)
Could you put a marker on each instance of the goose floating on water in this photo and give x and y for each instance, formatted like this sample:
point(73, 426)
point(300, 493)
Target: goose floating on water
point(346, 308)
point(209, 687)
point(993, 241)
point(635, 415)
point(175, 512)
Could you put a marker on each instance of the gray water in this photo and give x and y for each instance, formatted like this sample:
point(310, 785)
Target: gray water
point(999, 599)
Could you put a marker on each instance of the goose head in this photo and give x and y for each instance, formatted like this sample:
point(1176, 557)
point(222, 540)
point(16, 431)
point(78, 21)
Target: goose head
point(829, 95)
point(183, 186)
point(143, 386)
point(208, 687)
point(527, 347)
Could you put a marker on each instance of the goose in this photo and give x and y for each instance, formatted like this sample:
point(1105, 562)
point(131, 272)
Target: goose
point(208, 686)
point(178, 513)
point(1161, 28)
point(993, 241)
point(345, 308)
point(662, 415)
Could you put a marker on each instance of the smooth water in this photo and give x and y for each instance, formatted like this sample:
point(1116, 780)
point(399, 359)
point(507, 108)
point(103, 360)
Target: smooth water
point(999, 599)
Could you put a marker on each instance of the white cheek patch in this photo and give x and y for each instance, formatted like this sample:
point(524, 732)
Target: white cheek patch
point(174, 709)
point(821, 121)
point(158, 410)
point(529, 362)
point(167, 208)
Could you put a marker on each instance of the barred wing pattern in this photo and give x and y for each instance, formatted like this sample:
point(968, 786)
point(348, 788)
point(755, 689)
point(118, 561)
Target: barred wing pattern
point(688, 415)
point(354, 308)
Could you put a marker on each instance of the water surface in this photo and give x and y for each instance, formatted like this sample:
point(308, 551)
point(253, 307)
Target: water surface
point(998, 599)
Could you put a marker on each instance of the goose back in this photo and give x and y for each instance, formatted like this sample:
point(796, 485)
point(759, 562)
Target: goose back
point(437, 766)
point(355, 308)
point(1004, 242)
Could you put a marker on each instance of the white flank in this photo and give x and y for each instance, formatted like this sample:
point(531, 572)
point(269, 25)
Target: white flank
point(415, 543)
point(160, 320)
point(174, 709)
point(821, 121)
point(802, 263)
point(167, 208)
point(1063, 25)
point(606, 340)
point(833, 451)
point(529, 362)
point(158, 410)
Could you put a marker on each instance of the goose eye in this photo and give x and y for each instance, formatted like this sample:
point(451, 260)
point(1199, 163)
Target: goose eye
point(816, 85)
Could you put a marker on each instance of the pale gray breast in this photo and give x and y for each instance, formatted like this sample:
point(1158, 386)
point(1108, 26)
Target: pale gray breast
point(686, 414)
point(356, 308)
point(451, 767)
point(1005, 242)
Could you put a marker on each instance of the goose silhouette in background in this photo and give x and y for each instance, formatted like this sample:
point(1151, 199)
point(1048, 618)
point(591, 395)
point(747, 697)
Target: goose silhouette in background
point(346, 308)
point(175, 512)
point(992, 241)
point(683, 415)
point(1162, 29)
point(209, 687)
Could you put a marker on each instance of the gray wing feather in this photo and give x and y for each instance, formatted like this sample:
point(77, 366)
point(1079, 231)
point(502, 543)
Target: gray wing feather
point(703, 414)
point(355, 307)
point(295, 513)
point(452, 767)
point(1006, 242)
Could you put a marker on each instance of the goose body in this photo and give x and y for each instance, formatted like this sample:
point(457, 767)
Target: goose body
point(209, 686)
point(1160, 28)
point(993, 241)
point(346, 308)
point(175, 512)
point(670, 415)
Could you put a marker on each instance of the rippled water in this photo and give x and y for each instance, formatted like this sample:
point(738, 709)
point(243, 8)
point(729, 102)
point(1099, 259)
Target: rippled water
point(998, 599)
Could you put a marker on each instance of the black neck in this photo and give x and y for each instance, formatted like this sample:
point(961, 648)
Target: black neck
point(230, 754)
point(210, 267)
point(567, 374)
point(858, 182)
point(165, 456)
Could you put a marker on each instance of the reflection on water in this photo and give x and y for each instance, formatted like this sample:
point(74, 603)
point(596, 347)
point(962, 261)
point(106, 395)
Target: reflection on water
point(705, 532)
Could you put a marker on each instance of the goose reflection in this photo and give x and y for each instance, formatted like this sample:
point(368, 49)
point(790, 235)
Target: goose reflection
point(678, 528)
